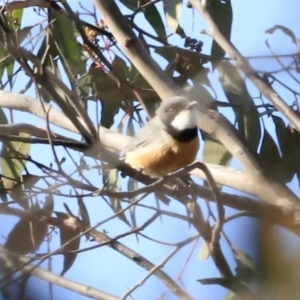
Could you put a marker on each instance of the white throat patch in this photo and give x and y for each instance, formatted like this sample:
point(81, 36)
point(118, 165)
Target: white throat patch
point(186, 119)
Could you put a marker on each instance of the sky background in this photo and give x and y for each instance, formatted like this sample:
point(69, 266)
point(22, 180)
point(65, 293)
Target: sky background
point(106, 269)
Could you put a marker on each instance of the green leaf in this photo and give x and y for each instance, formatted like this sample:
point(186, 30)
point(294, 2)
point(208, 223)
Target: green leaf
point(113, 184)
point(85, 84)
point(27, 235)
point(14, 19)
point(10, 73)
point(66, 234)
point(63, 32)
point(298, 176)
point(53, 68)
point(173, 9)
point(108, 112)
point(13, 167)
point(84, 214)
point(132, 185)
point(162, 197)
point(111, 95)
point(48, 206)
point(23, 33)
point(289, 142)
point(133, 75)
point(120, 67)
point(17, 191)
point(29, 180)
point(7, 61)
point(269, 148)
point(215, 153)
point(269, 155)
point(204, 252)
point(242, 103)
point(3, 119)
point(47, 51)
point(221, 12)
point(101, 80)
point(245, 269)
point(168, 53)
point(280, 131)
point(20, 197)
point(245, 272)
point(153, 17)
point(130, 4)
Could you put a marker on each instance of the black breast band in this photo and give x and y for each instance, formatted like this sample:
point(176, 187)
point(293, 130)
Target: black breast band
point(183, 136)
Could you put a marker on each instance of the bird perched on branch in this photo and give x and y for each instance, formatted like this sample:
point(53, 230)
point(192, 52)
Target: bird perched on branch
point(168, 142)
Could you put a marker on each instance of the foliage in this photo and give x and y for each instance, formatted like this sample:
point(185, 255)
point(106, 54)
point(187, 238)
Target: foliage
point(86, 79)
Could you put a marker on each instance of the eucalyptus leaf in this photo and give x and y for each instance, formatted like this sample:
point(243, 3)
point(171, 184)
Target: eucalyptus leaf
point(27, 235)
point(242, 103)
point(221, 12)
point(269, 155)
point(66, 234)
point(63, 31)
point(285, 30)
point(173, 9)
point(12, 164)
point(152, 15)
point(83, 213)
point(113, 184)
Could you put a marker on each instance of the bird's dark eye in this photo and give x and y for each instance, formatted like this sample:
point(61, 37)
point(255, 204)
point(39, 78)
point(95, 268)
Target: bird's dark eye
point(171, 110)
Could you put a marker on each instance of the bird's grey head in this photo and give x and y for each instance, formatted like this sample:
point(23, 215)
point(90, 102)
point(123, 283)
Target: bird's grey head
point(178, 113)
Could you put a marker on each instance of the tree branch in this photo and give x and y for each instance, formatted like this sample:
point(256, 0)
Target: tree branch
point(135, 50)
point(100, 238)
point(285, 200)
point(50, 277)
point(244, 65)
point(210, 121)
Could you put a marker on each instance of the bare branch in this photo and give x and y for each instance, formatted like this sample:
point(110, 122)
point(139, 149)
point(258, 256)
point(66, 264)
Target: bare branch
point(61, 281)
point(244, 65)
point(265, 189)
point(101, 237)
point(210, 121)
point(135, 50)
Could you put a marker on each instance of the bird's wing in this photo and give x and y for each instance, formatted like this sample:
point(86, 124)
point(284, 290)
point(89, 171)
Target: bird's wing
point(152, 130)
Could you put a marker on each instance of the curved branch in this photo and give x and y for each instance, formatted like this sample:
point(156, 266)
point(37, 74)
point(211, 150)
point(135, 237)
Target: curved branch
point(135, 50)
point(41, 75)
point(102, 238)
point(50, 277)
point(279, 195)
point(244, 65)
point(24, 4)
point(233, 178)
point(210, 121)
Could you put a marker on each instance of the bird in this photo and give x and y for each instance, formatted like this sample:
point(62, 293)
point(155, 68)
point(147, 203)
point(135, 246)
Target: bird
point(168, 142)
